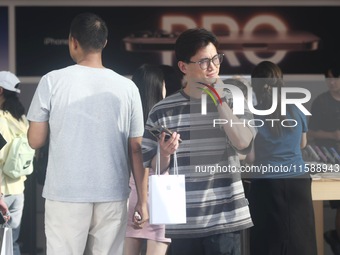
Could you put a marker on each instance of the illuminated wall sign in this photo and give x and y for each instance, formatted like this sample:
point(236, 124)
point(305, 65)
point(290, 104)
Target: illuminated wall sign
point(249, 39)
point(289, 36)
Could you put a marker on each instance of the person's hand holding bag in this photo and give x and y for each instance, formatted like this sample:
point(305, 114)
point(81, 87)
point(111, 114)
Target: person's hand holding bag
point(167, 198)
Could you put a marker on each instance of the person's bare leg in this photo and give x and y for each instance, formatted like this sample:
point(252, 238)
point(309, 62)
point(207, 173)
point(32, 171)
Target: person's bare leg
point(154, 247)
point(132, 246)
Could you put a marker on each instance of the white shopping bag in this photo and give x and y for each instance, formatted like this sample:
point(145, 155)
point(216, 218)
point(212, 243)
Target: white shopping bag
point(6, 241)
point(167, 203)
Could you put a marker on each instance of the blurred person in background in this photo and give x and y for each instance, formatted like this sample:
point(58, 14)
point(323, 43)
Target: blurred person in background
point(152, 88)
point(324, 130)
point(280, 201)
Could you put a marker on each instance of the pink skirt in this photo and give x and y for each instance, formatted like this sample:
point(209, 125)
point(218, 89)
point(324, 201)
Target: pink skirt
point(149, 232)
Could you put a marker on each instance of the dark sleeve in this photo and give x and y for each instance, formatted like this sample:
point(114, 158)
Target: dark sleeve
point(316, 117)
point(149, 142)
point(302, 119)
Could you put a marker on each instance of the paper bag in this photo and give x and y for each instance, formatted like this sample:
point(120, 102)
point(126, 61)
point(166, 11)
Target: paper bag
point(6, 241)
point(167, 203)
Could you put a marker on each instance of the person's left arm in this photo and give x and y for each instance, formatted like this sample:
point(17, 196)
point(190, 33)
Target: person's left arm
point(239, 135)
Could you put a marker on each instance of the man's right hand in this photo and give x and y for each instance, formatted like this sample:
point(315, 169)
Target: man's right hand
point(169, 147)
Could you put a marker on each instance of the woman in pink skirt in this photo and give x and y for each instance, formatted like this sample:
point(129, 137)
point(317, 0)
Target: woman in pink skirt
point(150, 81)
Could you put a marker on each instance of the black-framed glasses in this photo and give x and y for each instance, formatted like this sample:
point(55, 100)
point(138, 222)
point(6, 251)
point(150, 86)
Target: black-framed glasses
point(205, 62)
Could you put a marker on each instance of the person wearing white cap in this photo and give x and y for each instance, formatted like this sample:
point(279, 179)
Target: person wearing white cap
point(12, 121)
point(9, 81)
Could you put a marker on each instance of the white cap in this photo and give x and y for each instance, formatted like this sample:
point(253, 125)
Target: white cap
point(9, 81)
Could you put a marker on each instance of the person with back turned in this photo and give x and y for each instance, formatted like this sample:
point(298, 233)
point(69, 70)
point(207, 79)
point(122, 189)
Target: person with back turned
point(94, 120)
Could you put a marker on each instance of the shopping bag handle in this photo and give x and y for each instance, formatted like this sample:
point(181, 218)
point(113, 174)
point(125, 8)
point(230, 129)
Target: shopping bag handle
point(158, 161)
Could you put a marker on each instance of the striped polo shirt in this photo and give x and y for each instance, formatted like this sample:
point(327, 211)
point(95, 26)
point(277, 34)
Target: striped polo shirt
point(215, 198)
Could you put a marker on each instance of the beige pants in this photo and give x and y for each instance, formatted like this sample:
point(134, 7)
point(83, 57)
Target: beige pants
point(85, 228)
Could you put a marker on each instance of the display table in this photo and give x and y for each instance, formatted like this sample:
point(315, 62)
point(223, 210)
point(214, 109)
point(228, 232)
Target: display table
point(324, 187)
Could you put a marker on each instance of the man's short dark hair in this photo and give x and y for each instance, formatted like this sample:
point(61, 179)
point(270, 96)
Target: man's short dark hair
point(191, 41)
point(334, 70)
point(90, 31)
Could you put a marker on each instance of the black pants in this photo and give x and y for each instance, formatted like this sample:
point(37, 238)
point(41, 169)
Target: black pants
point(220, 244)
point(283, 217)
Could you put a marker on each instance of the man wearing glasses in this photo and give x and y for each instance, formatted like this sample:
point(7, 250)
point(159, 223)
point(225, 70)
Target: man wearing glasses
point(217, 209)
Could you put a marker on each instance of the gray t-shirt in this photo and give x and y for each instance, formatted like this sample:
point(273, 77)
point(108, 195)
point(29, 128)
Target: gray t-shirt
point(91, 112)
